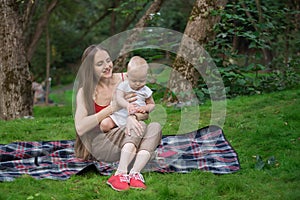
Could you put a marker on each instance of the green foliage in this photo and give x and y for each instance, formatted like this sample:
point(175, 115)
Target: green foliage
point(129, 7)
point(74, 26)
point(243, 65)
point(175, 14)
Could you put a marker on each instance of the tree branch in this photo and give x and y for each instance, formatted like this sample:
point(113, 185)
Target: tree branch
point(92, 25)
point(42, 23)
point(30, 7)
point(249, 16)
point(121, 60)
point(128, 22)
point(258, 6)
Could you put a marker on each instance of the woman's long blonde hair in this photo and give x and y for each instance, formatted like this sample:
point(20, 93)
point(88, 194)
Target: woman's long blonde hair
point(87, 80)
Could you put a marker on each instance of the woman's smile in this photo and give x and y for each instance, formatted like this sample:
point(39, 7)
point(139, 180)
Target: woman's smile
point(107, 71)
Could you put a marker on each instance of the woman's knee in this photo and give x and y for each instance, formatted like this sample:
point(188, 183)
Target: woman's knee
point(154, 129)
point(152, 138)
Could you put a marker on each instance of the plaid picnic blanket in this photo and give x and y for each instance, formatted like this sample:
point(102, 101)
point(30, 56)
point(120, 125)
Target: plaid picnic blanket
point(205, 149)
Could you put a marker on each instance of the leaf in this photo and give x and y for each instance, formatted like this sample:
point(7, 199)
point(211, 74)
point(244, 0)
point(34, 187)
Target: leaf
point(271, 161)
point(259, 163)
point(206, 91)
point(201, 59)
point(229, 16)
point(250, 67)
point(260, 67)
point(223, 35)
point(241, 81)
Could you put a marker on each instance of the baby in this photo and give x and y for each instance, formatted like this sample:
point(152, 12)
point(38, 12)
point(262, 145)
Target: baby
point(137, 75)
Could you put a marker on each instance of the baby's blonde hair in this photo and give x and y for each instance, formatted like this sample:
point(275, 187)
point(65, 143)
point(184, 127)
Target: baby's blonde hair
point(137, 63)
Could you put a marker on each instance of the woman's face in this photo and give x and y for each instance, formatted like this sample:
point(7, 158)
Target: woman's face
point(103, 64)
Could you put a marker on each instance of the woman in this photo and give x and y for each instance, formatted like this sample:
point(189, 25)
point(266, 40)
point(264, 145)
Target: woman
point(94, 102)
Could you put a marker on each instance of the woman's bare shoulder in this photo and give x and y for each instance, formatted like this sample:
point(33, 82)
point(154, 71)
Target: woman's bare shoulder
point(120, 76)
point(80, 92)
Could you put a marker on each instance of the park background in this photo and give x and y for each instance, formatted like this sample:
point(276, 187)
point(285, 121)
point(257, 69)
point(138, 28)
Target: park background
point(254, 44)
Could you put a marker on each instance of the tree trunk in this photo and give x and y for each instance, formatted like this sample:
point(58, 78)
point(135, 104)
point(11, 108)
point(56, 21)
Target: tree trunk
point(200, 29)
point(115, 4)
point(48, 62)
point(296, 6)
point(120, 62)
point(16, 98)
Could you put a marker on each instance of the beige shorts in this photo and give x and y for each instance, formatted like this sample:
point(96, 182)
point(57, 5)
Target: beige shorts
point(107, 146)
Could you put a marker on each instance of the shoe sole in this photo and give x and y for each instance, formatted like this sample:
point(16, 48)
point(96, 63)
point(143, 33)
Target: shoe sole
point(116, 188)
point(138, 188)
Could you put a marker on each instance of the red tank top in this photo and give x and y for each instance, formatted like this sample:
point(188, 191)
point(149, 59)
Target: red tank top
point(98, 108)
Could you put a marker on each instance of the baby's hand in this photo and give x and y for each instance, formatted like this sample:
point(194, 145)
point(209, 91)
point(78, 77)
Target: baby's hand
point(141, 109)
point(131, 108)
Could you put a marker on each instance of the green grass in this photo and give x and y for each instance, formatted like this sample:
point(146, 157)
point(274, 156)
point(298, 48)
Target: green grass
point(265, 125)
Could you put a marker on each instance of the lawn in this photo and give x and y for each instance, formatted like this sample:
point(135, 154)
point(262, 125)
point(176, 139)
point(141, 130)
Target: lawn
point(263, 126)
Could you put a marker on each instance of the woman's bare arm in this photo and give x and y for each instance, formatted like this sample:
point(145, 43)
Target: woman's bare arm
point(85, 122)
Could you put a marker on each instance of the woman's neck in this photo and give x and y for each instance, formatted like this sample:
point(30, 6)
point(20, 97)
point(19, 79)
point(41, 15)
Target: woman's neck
point(103, 91)
point(105, 82)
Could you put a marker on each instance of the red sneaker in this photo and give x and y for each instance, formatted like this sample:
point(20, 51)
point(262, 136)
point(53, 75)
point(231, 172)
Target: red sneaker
point(137, 181)
point(119, 182)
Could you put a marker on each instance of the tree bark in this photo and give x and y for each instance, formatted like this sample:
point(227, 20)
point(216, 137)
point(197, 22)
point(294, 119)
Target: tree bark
point(120, 62)
point(48, 62)
point(200, 29)
point(16, 98)
point(115, 4)
point(296, 6)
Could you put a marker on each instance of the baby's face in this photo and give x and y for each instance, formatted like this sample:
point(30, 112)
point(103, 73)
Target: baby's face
point(137, 79)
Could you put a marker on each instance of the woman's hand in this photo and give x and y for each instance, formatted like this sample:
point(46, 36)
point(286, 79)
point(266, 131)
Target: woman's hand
point(133, 125)
point(117, 104)
point(130, 97)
